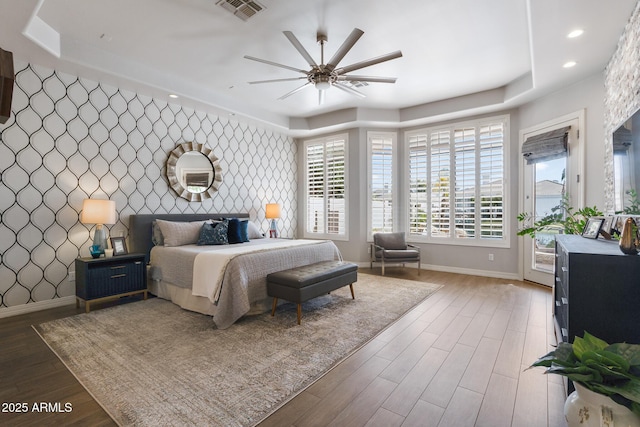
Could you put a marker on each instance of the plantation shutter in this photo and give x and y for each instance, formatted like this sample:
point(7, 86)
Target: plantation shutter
point(326, 187)
point(440, 183)
point(336, 208)
point(465, 182)
point(491, 181)
point(381, 149)
point(418, 196)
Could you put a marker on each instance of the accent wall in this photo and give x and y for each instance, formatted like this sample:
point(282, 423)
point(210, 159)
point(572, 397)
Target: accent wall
point(69, 139)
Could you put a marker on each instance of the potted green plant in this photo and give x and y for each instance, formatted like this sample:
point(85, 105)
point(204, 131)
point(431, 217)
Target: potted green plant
point(563, 217)
point(611, 370)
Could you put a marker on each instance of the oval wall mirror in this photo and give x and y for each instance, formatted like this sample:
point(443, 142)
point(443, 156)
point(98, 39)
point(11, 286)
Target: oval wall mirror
point(193, 171)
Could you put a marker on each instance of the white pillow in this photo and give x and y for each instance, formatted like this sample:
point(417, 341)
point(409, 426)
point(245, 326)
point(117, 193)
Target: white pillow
point(253, 231)
point(180, 233)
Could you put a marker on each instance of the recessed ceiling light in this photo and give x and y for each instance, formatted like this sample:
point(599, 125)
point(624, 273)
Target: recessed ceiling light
point(173, 95)
point(575, 33)
point(569, 64)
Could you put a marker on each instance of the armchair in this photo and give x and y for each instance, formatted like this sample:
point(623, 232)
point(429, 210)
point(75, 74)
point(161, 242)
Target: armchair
point(392, 248)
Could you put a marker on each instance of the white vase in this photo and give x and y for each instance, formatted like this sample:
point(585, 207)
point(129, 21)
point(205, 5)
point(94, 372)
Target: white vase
point(585, 408)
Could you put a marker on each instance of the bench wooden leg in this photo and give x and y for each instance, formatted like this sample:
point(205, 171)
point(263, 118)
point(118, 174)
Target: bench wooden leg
point(353, 296)
point(273, 308)
point(299, 313)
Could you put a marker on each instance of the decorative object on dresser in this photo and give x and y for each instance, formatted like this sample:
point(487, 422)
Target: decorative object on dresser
point(99, 212)
point(596, 290)
point(193, 171)
point(592, 228)
point(151, 363)
point(629, 237)
point(606, 377)
point(273, 213)
point(108, 278)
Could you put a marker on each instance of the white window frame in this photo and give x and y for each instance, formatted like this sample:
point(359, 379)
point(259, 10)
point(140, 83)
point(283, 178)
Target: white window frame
point(324, 234)
point(394, 179)
point(477, 240)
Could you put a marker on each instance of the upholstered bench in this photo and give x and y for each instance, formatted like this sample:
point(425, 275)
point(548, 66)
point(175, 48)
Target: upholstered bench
point(300, 284)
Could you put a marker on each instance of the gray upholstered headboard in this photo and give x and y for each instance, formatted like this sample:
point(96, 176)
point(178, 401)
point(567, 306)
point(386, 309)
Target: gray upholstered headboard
point(140, 227)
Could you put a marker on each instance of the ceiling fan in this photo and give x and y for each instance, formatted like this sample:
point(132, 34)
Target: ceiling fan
point(324, 76)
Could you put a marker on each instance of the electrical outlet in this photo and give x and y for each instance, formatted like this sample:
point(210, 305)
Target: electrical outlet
point(490, 257)
point(72, 276)
point(368, 249)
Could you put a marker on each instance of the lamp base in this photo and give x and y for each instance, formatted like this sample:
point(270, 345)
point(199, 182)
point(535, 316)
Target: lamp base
point(273, 230)
point(100, 238)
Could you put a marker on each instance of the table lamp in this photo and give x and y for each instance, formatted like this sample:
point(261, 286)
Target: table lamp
point(98, 212)
point(273, 213)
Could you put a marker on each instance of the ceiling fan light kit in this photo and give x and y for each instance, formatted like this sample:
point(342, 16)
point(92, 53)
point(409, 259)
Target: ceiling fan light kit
point(324, 76)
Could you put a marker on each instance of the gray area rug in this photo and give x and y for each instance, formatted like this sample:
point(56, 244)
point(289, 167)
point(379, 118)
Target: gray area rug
point(152, 363)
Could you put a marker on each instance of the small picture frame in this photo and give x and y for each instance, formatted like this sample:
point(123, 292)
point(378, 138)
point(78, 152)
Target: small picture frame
point(607, 224)
point(592, 228)
point(119, 246)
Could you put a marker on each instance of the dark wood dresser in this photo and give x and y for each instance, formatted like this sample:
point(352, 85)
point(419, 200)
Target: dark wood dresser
point(596, 289)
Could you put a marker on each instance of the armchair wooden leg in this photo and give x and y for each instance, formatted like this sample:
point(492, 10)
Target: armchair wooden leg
point(299, 313)
point(353, 296)
point(273, 308)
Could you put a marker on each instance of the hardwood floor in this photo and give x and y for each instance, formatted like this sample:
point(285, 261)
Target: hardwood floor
point(457, 359)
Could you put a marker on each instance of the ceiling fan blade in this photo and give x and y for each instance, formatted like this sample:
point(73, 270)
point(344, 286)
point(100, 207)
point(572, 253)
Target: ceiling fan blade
point(275, 64)
point(346, 47)
point(349, 90)
point(277, 80)
point(369, 62)
point(288, 94)
point(296, 43)
point(372, 79)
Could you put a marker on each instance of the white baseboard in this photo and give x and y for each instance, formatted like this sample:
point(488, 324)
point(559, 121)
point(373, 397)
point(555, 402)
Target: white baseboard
point(458, 270)
point(36, 306)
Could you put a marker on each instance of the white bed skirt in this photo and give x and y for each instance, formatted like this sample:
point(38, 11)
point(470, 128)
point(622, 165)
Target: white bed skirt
point(184, 298)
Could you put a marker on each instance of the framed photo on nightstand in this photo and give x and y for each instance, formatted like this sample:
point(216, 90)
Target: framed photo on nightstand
point(119, 246)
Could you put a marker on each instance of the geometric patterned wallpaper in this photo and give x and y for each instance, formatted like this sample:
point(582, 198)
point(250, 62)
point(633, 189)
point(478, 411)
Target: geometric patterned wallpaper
point(69, 138)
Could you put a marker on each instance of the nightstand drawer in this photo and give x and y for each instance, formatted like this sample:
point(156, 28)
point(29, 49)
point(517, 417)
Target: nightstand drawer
point(115, 279)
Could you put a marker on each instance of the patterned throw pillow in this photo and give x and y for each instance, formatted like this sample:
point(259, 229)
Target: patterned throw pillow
point(214, 234)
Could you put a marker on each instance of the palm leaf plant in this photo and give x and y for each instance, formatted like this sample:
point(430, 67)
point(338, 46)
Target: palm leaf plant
point(609, 369)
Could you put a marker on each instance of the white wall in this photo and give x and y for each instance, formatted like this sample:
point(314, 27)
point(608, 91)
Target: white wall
point(588, 95)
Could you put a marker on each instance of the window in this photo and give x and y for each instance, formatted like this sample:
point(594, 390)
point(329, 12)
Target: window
point(381, 182)
point(325, 187)
point(457, 183)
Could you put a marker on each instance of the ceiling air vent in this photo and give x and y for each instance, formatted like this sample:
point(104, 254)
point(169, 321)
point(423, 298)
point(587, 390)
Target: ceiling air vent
point(243, 9)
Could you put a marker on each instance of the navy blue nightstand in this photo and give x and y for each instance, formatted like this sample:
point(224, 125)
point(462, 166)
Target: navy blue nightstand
point(101, 279)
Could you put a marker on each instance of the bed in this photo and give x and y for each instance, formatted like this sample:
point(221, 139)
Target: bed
point(224, 281)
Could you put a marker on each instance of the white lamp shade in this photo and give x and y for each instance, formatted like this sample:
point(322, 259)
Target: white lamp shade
point(273, 211)
point(96, 211)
